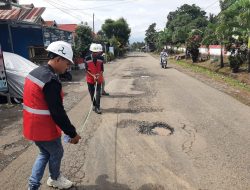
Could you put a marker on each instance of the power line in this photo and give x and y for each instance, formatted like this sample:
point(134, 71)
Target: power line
point(70, 8)
point(62, 10)
point(97, 7)
point(61, 6)
point(211, 5)
point(65, 8)
point(66, 11)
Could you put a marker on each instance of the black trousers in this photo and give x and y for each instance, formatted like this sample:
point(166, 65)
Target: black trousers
point(103, 86)
point(96, 101)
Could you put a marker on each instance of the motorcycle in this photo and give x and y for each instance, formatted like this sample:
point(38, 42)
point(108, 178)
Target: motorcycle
point(164, 61)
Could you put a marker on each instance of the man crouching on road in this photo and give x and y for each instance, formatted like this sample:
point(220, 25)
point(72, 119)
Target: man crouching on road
point(44, 116)
point(94, 76)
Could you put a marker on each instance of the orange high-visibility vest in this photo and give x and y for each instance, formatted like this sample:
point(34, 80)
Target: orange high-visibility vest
point(38, 124)
point(94, 69)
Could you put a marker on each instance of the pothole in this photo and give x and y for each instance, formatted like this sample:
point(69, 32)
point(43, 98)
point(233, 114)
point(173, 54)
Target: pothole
point(147, 128)
point(127, 76)
point(157, 128)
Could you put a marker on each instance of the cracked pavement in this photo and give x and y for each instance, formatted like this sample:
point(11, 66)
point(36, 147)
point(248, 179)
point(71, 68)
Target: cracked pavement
point(209, 148)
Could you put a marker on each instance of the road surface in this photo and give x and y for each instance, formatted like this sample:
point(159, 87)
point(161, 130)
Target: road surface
point(160, 130)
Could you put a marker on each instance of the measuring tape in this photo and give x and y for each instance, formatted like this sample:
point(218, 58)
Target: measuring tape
point(67, 138)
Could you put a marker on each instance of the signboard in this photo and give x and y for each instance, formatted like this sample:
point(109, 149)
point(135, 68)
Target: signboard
point(111, 50)
point(53, 34)
point(3, 78)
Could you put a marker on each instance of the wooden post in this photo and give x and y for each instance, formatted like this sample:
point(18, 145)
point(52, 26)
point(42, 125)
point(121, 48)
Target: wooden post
point(248, 52)
point(221, 56)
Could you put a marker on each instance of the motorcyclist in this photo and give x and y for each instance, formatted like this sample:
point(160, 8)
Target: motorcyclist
point(163, 57)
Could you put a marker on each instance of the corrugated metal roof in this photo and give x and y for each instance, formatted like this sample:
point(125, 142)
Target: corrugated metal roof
point(68, 27)
point(48, 23)
point(10, 14)
point(34, 14)
point(22, 14)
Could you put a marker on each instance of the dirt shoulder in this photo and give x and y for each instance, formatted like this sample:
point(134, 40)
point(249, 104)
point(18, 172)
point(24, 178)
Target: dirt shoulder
point(234, 91)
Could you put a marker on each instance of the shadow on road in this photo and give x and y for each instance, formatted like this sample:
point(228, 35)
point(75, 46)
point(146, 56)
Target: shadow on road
point(135, 56)
point(169, 67)
point(129, 110)
point(103, 184)
point(121, 96)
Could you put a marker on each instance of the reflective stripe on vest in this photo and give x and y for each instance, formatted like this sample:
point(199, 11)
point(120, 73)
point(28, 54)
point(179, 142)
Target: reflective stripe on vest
point(36, 81)
point(36, 111)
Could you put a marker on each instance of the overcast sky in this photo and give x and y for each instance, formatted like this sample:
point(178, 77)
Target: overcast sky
point(138, 13)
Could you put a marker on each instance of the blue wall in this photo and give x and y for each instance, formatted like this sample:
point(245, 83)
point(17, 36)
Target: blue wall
point(4, 38)
point(23, 36)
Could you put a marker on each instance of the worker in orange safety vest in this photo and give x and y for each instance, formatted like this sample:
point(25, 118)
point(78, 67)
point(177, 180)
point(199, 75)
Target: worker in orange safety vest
point(94, 75)
point(44, 116)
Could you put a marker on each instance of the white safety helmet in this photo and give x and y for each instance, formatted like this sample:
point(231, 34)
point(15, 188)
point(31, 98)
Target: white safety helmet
point(62, 49)
point(100, 47)
point(95, 47)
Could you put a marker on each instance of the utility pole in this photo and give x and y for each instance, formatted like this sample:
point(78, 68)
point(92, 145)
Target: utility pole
point(93, 23)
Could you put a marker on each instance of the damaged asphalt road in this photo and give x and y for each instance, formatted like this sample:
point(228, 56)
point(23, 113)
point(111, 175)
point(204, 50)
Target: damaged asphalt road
point(160, 129)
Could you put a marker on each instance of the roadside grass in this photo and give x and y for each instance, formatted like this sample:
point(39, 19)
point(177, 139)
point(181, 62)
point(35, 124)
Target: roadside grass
point(213, 74)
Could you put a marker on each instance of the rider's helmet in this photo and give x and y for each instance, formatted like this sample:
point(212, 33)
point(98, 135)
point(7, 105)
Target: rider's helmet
point(62, 49)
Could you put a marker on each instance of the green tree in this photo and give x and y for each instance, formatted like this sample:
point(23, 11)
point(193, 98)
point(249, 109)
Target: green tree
point(193, 43)
point(164, 38)
point(182, 21)
point(118, 29)
point(234, 20)
point(83, 39)
point(224, 26)
point(151, 37)
point(137, 46)
point(100, 37)
point(241, 11)
point(224, 4)
point(108, 28)
point(209, 36)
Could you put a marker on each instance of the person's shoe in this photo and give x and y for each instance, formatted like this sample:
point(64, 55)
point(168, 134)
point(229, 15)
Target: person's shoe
point(93, 108)
point(105, 93)
point(31, 187)
point(98, 111)
point(60, 183)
